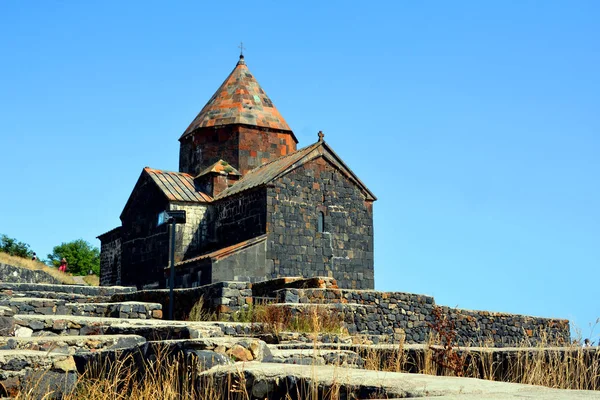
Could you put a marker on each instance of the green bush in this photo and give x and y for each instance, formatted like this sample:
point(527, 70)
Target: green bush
point(81, 257)
point(14, 248)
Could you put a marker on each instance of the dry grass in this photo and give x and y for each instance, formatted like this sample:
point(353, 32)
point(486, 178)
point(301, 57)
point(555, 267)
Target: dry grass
point(168, 377)
point(275, 319)
point(200, 312)
point(92, 280)
point(36, 266)
point(569, 367)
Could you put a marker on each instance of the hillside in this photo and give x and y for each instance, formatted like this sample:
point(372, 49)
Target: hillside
point(22, 270)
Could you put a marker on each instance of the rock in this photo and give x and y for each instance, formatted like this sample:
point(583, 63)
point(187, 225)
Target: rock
point(7, 326)
point(41, 383)
point(240, 353)
point(262, 389)
point(207, 359)
point(59, 325)
point(157, 314)
point(220, 349)
point(36, 325)
point(11, 344)
point(22, 331)
point(275, 380)
point(260, 351)
point(66, 365)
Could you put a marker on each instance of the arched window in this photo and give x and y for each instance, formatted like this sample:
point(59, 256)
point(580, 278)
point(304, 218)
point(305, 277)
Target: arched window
point(321, 222)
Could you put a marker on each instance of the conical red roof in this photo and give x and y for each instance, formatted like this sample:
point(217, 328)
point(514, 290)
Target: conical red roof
point(239, 100)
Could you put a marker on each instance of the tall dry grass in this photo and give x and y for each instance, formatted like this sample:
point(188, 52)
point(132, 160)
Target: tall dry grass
point(569, 367)
point(26, 263)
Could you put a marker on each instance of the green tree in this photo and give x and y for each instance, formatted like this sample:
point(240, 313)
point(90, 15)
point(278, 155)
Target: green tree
point(81, 257)
point(14, 248)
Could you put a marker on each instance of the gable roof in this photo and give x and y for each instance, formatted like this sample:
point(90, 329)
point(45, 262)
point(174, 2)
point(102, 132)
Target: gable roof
point(281, 166)
point(239, 100)
point(177, 186)
point(220, 167)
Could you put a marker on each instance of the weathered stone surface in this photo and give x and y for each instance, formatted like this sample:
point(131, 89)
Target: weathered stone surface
point(239, 353)
point(65, 365)
point(318, 357)
point(71, 289)
point(49, 384)
point(207, 359)
point(7, 326)
point(72, 344)
point(272, 380)
point(23, 331)
point(151, 329)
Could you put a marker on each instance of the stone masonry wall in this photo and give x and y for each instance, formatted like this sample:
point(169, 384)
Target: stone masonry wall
point(503, 329)
point(222, 298)
point(144, 244)
point(9, 273)
point(258, 146)
point(396, 313)
point(110, 258)
point(61, 307)
point(243, 147)
point(193, 236)
point(241, 217)
point(344, 250)
point(389, 313)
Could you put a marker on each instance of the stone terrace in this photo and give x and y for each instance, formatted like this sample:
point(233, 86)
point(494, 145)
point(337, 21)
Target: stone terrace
point(59, 335)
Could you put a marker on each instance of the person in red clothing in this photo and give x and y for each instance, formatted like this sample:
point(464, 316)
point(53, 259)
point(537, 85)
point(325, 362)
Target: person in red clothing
point(63, 265)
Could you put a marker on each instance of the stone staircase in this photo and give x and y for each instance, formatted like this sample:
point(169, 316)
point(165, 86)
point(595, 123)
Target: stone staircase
point(49, 334)
point(56, 330)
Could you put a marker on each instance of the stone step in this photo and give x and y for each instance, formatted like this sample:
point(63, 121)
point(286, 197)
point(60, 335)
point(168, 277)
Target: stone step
point(236, 348)
point(71, 297)
point(71, 344)
point(44, 306)
point(317, 356)
point(36, 372)
point(72, 289)
point(72, 325)
point(269, 380)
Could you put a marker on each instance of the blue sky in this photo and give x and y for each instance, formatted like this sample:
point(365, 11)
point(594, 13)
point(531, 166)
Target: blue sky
point(475, 123)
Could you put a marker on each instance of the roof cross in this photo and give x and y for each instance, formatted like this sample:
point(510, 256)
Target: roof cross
point(242, 48)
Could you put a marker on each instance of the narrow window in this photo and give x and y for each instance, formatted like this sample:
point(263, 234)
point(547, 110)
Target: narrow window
point(321, 222)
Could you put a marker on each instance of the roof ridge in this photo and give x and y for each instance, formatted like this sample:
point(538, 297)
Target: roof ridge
point(170, 172)
point(283, 157)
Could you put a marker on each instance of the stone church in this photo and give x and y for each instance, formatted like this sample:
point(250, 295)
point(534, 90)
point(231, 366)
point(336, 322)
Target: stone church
point(257, 207)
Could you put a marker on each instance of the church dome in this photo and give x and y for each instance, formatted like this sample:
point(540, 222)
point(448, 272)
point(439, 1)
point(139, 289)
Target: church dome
point(239, 100)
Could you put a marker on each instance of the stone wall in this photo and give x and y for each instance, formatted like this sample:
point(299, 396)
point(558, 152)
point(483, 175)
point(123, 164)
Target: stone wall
point(241, 217)
point(10, 273)
point(243, 147)
point(144, 245)
point(344, 250)
point(127, 310)
point(246, 265)
point(110, 258)
point(195, 235)
point(222, 298)
point(503, 329)
point(393, 314)
point(386, 313)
